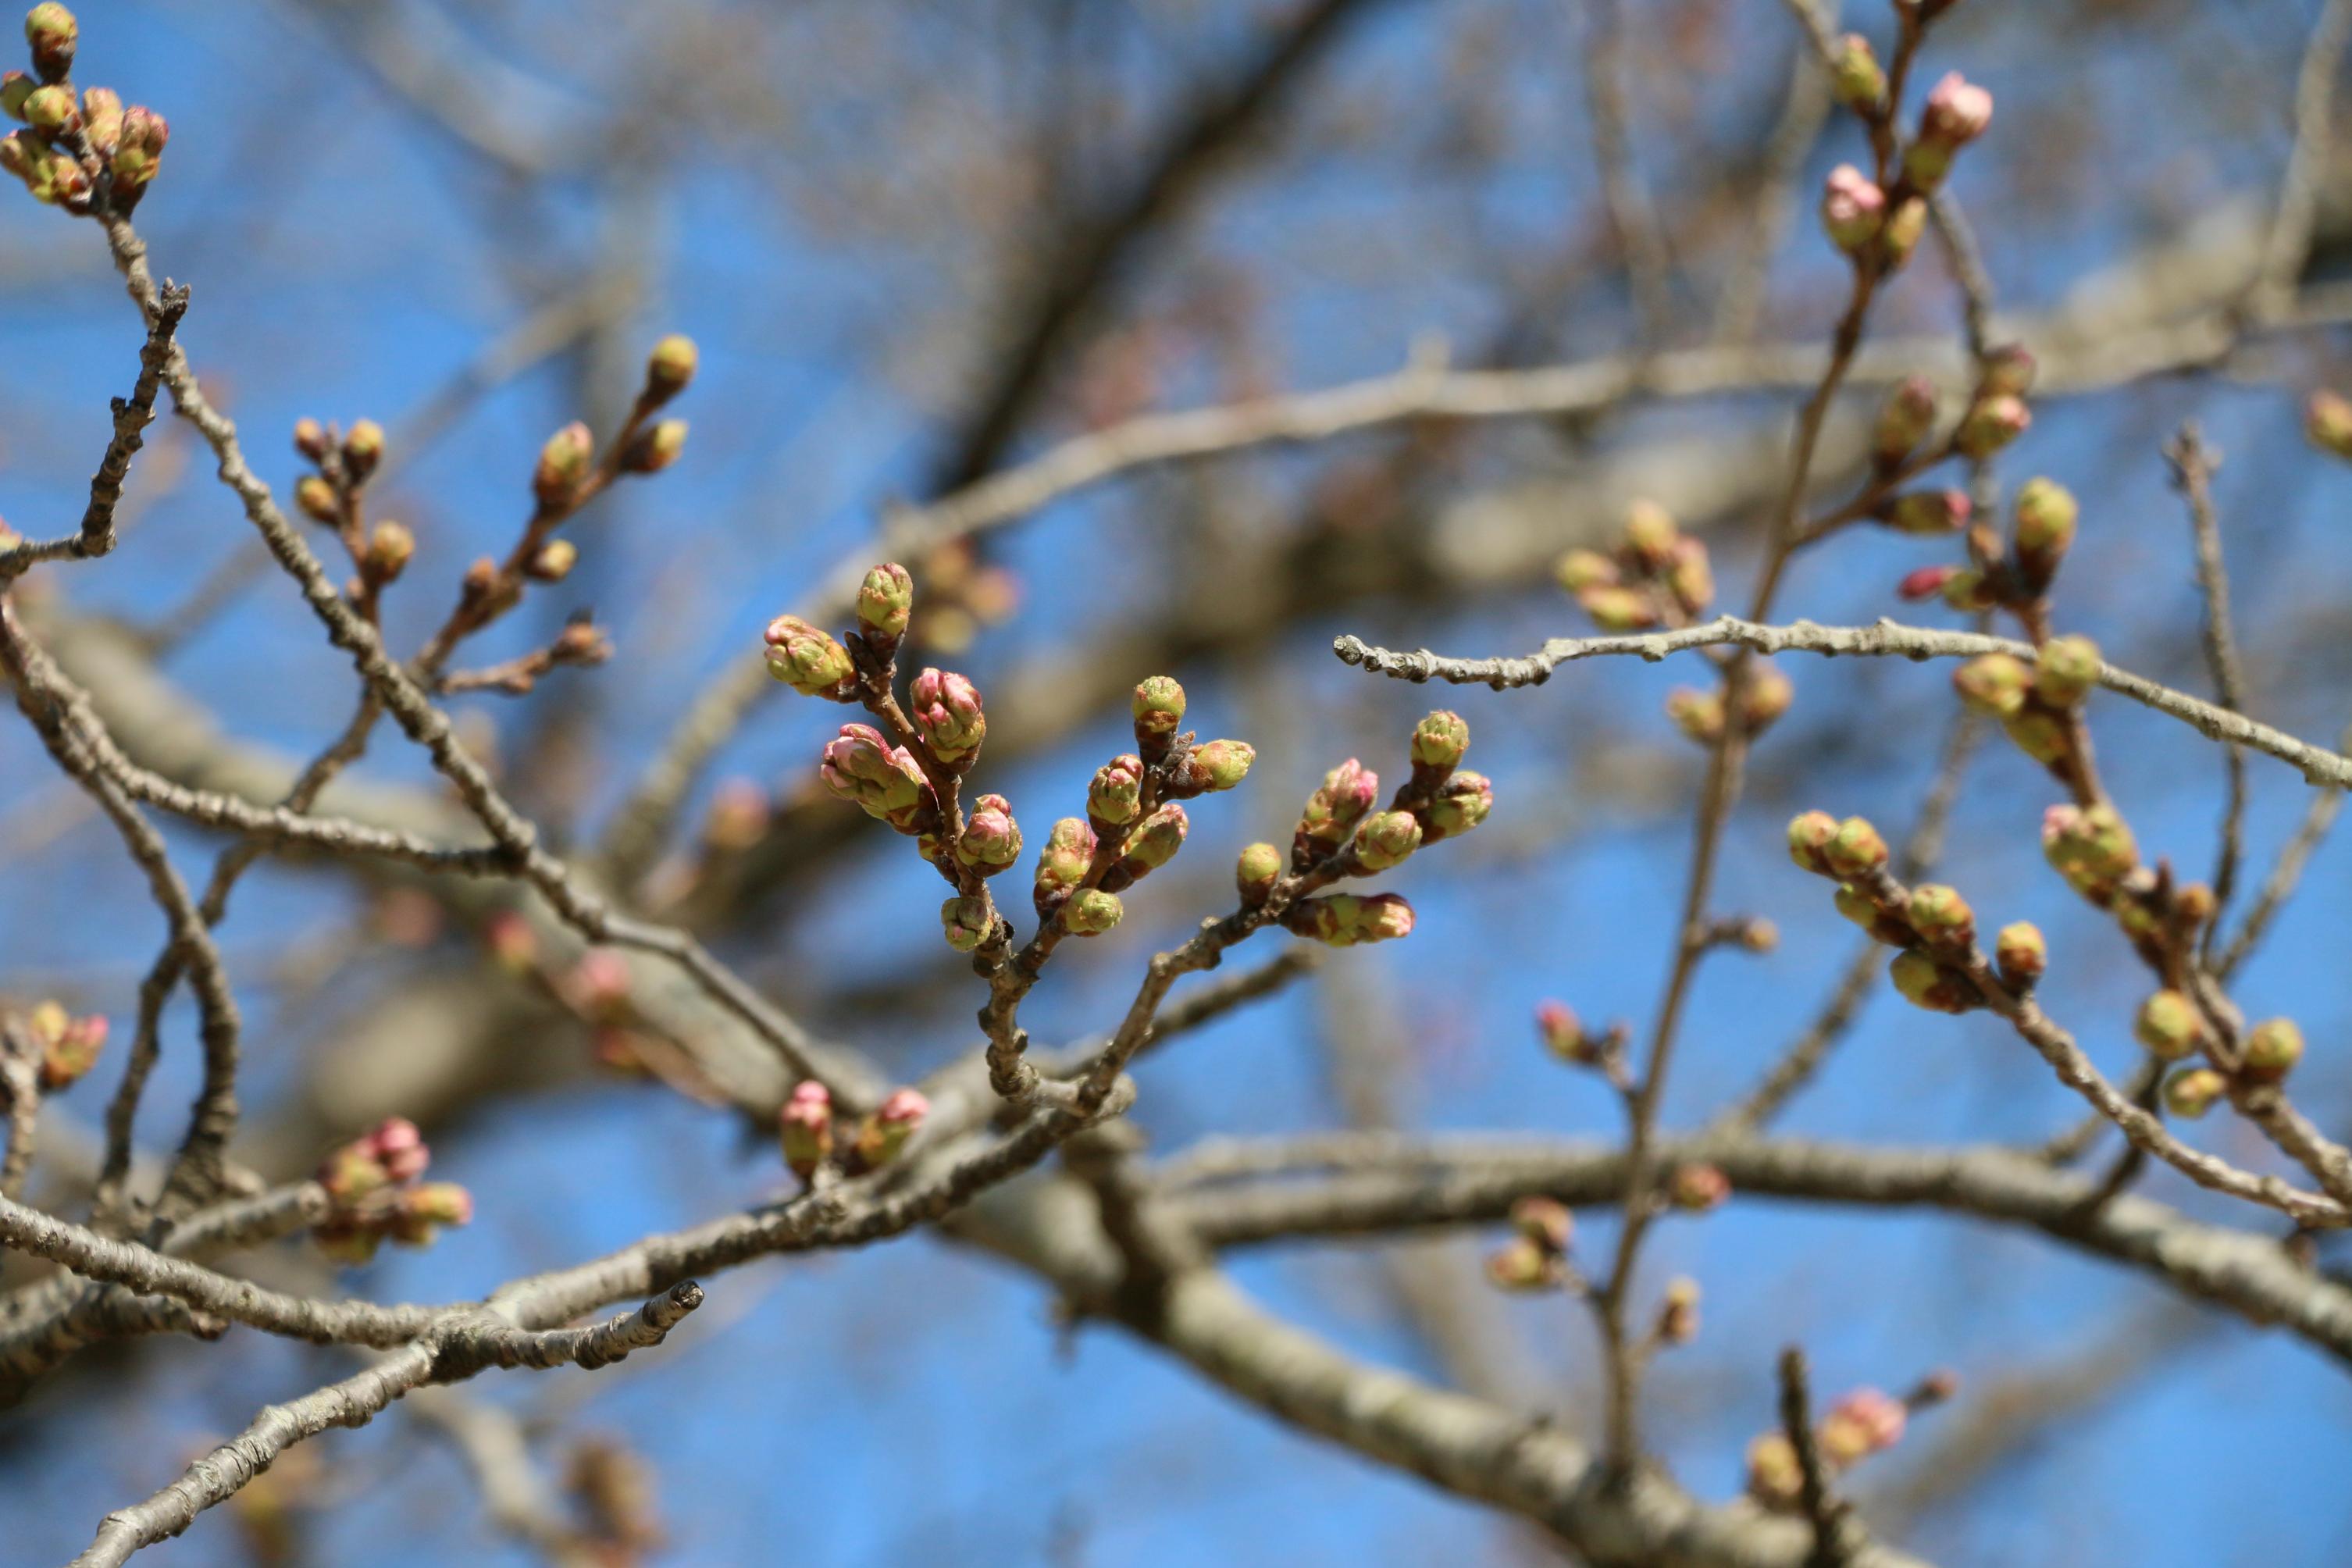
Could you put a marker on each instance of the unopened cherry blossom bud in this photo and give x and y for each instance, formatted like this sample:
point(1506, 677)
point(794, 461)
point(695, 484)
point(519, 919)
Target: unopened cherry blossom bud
point(883, 1134)
point(1861, 1424)
point(1942, 916)
point(16, 87)
point(398, 1146)
point(1581, 569)
point(1698, 714)
point(1852, 209)
point(1155, 843)
point(439, 1204)
point(2065, 670)
point(1690, 578)
point(1925, 583)
point(1776, 1478)
point(2273, 1047)
point(1856, 80)
point(2168, 1025)
point(2193, 905)
point(1525, 1265)
point(1650, 534)
point(1157, 708)
point(70, 1049)
point(1766, 696)
point(1343, 920)
point(1547, 1222)
point(2046, 514)
point(1995, 684)
point(806, 1128)
point(1903, 420)
point(1218, 765)
point(1862, 910)
point(1925, 983)
point(2022, 954)
point(1618, 609)
point(885, 601)
point(991, 839)
point(1993, 423)
point(1332, 811)
point(512, 944)
point(389, 548)
point(1069, 850)
point(52, 110)
point(1900, 236)
point(554, 561)
point(2096, 843)
point(1926, 512)
point(1091, 911)
point(804, 658)
point(945, 710)
point(2009, 368)
point(1461, 804)
point(316, 498)
point(1115, 796)
point(655, 450)
point(101, 119)
point(1562, 1033)
point(1385, 838)
point(1809, 840)
point(669, 368)
point(2042, 736)
point(52, 32)
point(1698, 1188)
point(563, 464)
point(2327, 421)
point(1255, 872)
point(139, 150)
point(1440, 740)
point(362, 450)
point(1856, 849)
point(1957, 112)
point(2190, 1092)
point(1969, 589)
point(1678, 1312)
point(862, 768)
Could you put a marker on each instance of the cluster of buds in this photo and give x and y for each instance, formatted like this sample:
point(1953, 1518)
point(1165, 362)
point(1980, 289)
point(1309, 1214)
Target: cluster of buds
point(1932, 925)
point(1536, 1257)
point(2035, 704)
point(2012, 572)
point(1339, 834)
point(813, 1143)
point(373, 1194)
point(2175, 1029)
point(1879, 224)
point(71, 142)
point(1764, 694)
point(63, 1048)
point(1858, 1424)
point(1656, 575)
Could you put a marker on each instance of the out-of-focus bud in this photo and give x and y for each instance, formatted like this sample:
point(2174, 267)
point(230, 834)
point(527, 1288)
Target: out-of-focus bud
point(2190, 1092)
point(1069, 850)
point(1650, 534)
point(1525, 1265)
point(991, 839)
point(563, 464)
point(655, 450)
point(1581, 569)
point(399, 1148)
point(316, 498)
point(437, 1203)
point(862, 768)
point(599, 985)
point(52, 111)
point(140, 151)
point(1861, 1424)
point(2009, 368)
point(2168, 1025)
point(1925, 583)
point(389, 549)
point(554, 561)
point(885, 601)
point(1698, 1188)
point(1958, 112)
point(1385, 838)
point(1970, 590)
point(310, 440)
point(362, 450)
point(2327, 421)
point(1996, 684)
point(1856, 80)
point(1115, 794)
point(946, 715)
point(1756, 934)
point(1857, 850)
point(16, 87)
point(68, 1046)
point(2094, 845)
point(1903, 420)
point(1690, 578)
point(2042, 736)
point(669, 368)
point(1858, 907)
point(1562, 1033)
point(52, 32)
point(1942, 916)
point(1924, 982)
point(1091, 911)
point(2273, 1047)
point(1619, 610)
point(2046, 514)
point(101, 119)
point(1218, 765)
point(1255, 872)
point(1461, 804)
point(1678, 1313)
point(1776, 1479)
point(2065, 670)
point(1332, 811)
point(1159, 709)
point(805, 658)
point(1698, 714)
point(1904, 226)
point(1809, 841)
point(1925, 512)
point(2193, 905)
point(883, 1134)
point(806, 1127)
point(1547, 1222)
point(1766, 697)
point(1852, 209)
point(2022, 954)
point(1440, 740)
point(512, 944)
point(1993, 423)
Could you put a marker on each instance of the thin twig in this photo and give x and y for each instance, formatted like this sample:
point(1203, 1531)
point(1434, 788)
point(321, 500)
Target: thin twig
point(2192, 464)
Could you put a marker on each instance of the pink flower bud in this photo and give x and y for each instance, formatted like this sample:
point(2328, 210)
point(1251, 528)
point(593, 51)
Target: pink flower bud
point(1958, 112)
point(946, 713)
point(806, 1128)
point(883, 779)
point(1861, 1424)
point(885, 601)
point(1116, 793)
point(400, 1148)
point(1069, 850)
point(1855, 78)
point(600, 984)
point(511, 941)
point(1385, 838)
point(1853, 207)
point(1925, 583)
point(1698, 1188)
point(1332, 811)
point(882, 1135)
point(1563, 1034)
point(1992, 425)
point(69, 1046)
point(141, 148)
point(991, 839)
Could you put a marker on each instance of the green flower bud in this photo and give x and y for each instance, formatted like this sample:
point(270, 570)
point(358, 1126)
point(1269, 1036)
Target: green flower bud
point(1581, 569)
point(1158, 707)
point(1218, 765)
point(2042, 736)
point(1440, 740)
point(362, 450)
point(1256, 872)
point(16, 87)
point(1069, 851)
point(1928, 512)
point(670, 367)
point(882, 1135)
point(1925, 983)
point(2021, 953)
point(2190, 1092)
point(1524, 1264)
point(1385, 838)
point(806, 1128)
point(1650, 534)
point(1547, 1222)
point(885, 601)
point(1903, 419)
point(2046, 514)
point(1155, 843)
point(52, 32)
point(656, 449)
point(991, 840)
point(1992, 425)
point(2168, 1025)
point(1995, 684)
point(1461, 804)
point(2009, 367)
point(1766, 696)
point(1942, 916)
point(1698, 714)
point(1857, 850)
point(554, 561)
point(563, 464)
point(52, 110)
point(101, 119)
point(804, 657)
point(1116, 793)
point(1809, 840)
point(2096, 844)
point(1091, 911)
point(1856, 80)
point(2065, 670)
point(1332, 812)
point(1690, 579)
point(2327, 421)
point(1619, 610)
point(2272, 1049)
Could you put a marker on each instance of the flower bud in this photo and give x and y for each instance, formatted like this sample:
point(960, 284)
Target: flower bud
point(1862, 910)
point(1115, 796)
point(563, 464)
point(1942, 916)
point(1809, 840)
point(2190, 1092)
point(945, 712)
point(140, 149)
point(1926, 512)
point(438, 1204)
point(2168, 1025)
point(1957, 111)
point(1993, 423)
point(669, 368)
point(1698, 1188)
point(16, 87)
point(1925, 983)
point(2042, 736)
point(1678, 1312)
point(1343, 920)
point(1698, 714)
point(1903, 420)
point(1218, 765)
point(1651, 535)
point(316, 498)
point(390, 546)
point(801, 656)
point(885, 601)
point(1332, 811)
point(883, 779)
point(2065, 670)
point(397, 1145)
point(1969, 590)
point(1766, 696)
point(1385, 838)
point(1547, 1222)
point(991, 840)
point(1255, 872)
point(101, 119)
point(2272, 1049)
point(1853, 207)
point(1525, 1265)
point(512, 944)
point(1619, 610)
point(1776, 1479)
point(2007, 368)
point(554, 561)
point(1581, 569)
point(52, 110)
point(2022, 954)
point(1159, 709)
point(1461, 804)
point(1857, 850)
point(655, 450)
point(362, 450)
point(68, 1046)
point(1440, 740)
point(1155, 843)
point(1562, 1033)
point(1690, 579)
point(1861, 1424)
point(1994, 684)
point(1857, 79)
point(2327, 421)
point(2094, 845)
point(884, 1134)
point(1091, 911)
point(52, 32)
point(806, 1126)
point(2045, 526)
